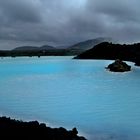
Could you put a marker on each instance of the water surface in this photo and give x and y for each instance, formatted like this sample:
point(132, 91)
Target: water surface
point(72, 93)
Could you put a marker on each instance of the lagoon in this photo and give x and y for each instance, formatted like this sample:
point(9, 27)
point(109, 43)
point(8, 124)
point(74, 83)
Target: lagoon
point(66, 92)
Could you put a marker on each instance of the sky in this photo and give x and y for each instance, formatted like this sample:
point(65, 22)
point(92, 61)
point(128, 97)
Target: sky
point(66, 22)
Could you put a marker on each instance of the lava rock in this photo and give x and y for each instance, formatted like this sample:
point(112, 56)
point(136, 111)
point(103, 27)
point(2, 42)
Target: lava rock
point(119, 66)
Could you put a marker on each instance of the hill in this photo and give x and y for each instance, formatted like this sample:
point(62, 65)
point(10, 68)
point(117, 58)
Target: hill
point(34, 48)
point(47, 47)
point(47, 50)
point(25, 48)
point(88, 44)
point(109, 51)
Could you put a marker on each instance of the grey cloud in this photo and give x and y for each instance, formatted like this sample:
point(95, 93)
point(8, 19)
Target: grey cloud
point(121, 10)
point(20, 10)
point(69, 21)
point(120, 19)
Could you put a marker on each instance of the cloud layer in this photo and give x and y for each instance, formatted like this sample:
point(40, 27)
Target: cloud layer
point(61, 22)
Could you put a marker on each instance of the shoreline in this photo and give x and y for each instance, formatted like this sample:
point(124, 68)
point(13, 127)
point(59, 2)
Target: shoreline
point(37, 128)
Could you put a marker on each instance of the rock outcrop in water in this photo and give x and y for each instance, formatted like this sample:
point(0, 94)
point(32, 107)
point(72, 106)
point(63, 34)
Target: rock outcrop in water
point(15, 129)
point(119, 66)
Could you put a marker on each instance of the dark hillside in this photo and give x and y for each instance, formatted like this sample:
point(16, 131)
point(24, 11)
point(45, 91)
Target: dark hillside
point(111, 51)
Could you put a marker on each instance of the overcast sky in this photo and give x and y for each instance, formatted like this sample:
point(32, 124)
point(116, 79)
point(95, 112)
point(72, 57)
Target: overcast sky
point(63, 22)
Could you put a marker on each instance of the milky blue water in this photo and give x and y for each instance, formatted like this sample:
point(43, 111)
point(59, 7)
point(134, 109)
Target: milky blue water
point(72, 93)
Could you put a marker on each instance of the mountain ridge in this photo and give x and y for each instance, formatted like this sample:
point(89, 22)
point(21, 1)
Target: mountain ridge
point(88, 44)
point(48, 50)
point(33, 48)
point(80, 46)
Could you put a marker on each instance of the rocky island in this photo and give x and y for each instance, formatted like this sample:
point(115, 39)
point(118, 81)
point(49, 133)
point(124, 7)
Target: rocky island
point(119, 66)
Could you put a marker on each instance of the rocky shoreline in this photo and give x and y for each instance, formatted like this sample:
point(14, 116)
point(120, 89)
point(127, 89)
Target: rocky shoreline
point(17, 129)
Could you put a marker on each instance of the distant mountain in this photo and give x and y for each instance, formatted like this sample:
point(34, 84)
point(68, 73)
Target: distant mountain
point(44, 50)
point(47, 47)
point(88, 44)
point(75, 49)
point(33, 48)
point(62, 47)
point(25, 48)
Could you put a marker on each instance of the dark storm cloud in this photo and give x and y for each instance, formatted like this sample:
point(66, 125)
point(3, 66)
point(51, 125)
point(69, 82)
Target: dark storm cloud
point(19, 10)
point(123, 10)
point(69, 21)
point(120, 18)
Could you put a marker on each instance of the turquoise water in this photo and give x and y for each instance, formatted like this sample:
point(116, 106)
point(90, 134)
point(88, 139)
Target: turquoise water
point(72, 93)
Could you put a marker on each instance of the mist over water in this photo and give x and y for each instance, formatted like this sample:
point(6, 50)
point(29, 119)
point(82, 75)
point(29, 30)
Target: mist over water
point(72, 93)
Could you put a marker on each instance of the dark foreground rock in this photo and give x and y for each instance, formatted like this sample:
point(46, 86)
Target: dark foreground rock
point(137, 61)
point(15, 129)
point(119, 66)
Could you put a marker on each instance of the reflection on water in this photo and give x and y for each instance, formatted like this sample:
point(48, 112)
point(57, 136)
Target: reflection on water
point(69, 93)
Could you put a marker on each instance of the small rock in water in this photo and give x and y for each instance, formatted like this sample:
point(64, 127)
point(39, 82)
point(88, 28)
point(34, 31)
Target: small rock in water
point(119, 66)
